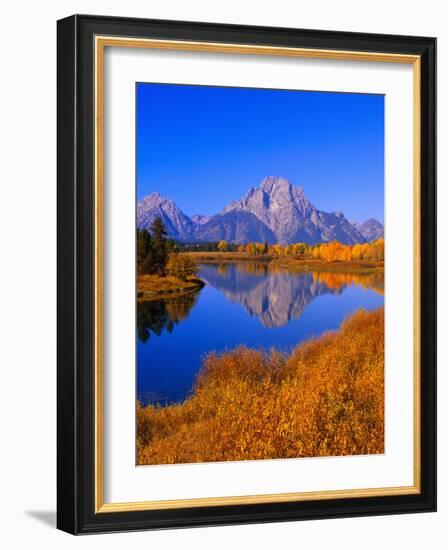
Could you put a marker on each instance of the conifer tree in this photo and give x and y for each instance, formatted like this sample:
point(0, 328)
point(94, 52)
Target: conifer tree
point(144, 252)
point(159, 244)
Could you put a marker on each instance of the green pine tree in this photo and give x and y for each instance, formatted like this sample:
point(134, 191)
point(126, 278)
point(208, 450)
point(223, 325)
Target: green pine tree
point(144, 252)
point(159, 245)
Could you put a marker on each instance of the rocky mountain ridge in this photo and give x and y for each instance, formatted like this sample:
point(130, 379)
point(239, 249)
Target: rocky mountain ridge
point(371, 229)
point(276, 211)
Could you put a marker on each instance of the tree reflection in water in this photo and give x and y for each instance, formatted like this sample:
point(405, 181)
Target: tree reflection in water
point(336, 281)
point(159, 315)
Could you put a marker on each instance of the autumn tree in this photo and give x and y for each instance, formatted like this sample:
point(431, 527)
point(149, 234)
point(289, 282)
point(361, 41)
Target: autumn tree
point(251, 248)
point(298, 249)
point(357, 252)
point(223, 246)
point(181, 266)
point(338, 252)
point(276, 249)
point(377, 250)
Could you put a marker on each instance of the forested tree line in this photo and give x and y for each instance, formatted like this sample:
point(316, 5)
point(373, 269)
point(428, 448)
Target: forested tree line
point(209, 246)
point(333, 251)
point(153, 248)
point(158, 255)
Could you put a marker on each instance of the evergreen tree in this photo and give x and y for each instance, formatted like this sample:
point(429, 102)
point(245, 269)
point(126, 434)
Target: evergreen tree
point(159, 245)
point(144, 252)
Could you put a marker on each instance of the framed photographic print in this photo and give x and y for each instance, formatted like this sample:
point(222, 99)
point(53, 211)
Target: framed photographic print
point(246, 267)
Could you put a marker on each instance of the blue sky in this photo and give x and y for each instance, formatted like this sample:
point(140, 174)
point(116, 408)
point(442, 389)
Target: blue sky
point(204, 147)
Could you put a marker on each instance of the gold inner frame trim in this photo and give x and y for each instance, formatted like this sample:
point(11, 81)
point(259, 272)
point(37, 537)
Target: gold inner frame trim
point(101, 42)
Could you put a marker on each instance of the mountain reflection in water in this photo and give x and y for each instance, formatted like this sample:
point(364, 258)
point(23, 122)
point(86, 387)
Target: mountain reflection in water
point(242, 303)
point(276, 297)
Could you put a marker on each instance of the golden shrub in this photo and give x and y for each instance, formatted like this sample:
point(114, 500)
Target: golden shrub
point(325, 399)
point(181, 266)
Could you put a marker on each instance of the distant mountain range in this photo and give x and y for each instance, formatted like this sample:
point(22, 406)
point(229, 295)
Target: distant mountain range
point(371, 229)
point(274, 212)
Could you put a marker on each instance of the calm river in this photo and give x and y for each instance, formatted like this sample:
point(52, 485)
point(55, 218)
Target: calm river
point(242, 303)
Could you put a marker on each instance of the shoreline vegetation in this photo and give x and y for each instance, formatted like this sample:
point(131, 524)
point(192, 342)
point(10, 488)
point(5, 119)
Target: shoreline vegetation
point(325, 398)
point(291, 263)
point(166, 268)
point(156, 287)
point(332, 256)
point(161, 271)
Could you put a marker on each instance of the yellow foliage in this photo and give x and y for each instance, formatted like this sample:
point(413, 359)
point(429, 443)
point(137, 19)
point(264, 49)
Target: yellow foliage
point(335, 251)
point(223, 246)
point(182, 266)
point(325, 399)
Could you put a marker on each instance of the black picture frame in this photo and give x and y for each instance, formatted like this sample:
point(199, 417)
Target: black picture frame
point(76, 265)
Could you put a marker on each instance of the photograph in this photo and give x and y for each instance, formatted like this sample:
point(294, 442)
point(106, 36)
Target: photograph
point(260, 238)
point(246, 239)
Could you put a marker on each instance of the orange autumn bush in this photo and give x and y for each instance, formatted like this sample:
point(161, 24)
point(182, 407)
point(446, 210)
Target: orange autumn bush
point(324, 399)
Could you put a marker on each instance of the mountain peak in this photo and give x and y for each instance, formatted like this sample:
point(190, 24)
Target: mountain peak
point(152, 198)
point(275, 211)
point(373, 221)
point(371, 229)
point(271, 183)
point(178, 225)
point(282, 207)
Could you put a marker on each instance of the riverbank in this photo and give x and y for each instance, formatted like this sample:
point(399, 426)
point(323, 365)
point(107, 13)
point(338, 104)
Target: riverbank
point(313, 264)
point(155, 287)
point(228, 257)
point(326, 398)
point(290, 263)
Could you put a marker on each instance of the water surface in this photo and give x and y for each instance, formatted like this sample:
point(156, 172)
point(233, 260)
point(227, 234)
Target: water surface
point(241, 304)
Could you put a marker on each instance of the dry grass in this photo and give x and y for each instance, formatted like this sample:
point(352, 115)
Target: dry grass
point(315, 264)
point(325, 399)
point(155, 287)
point(290, 263)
